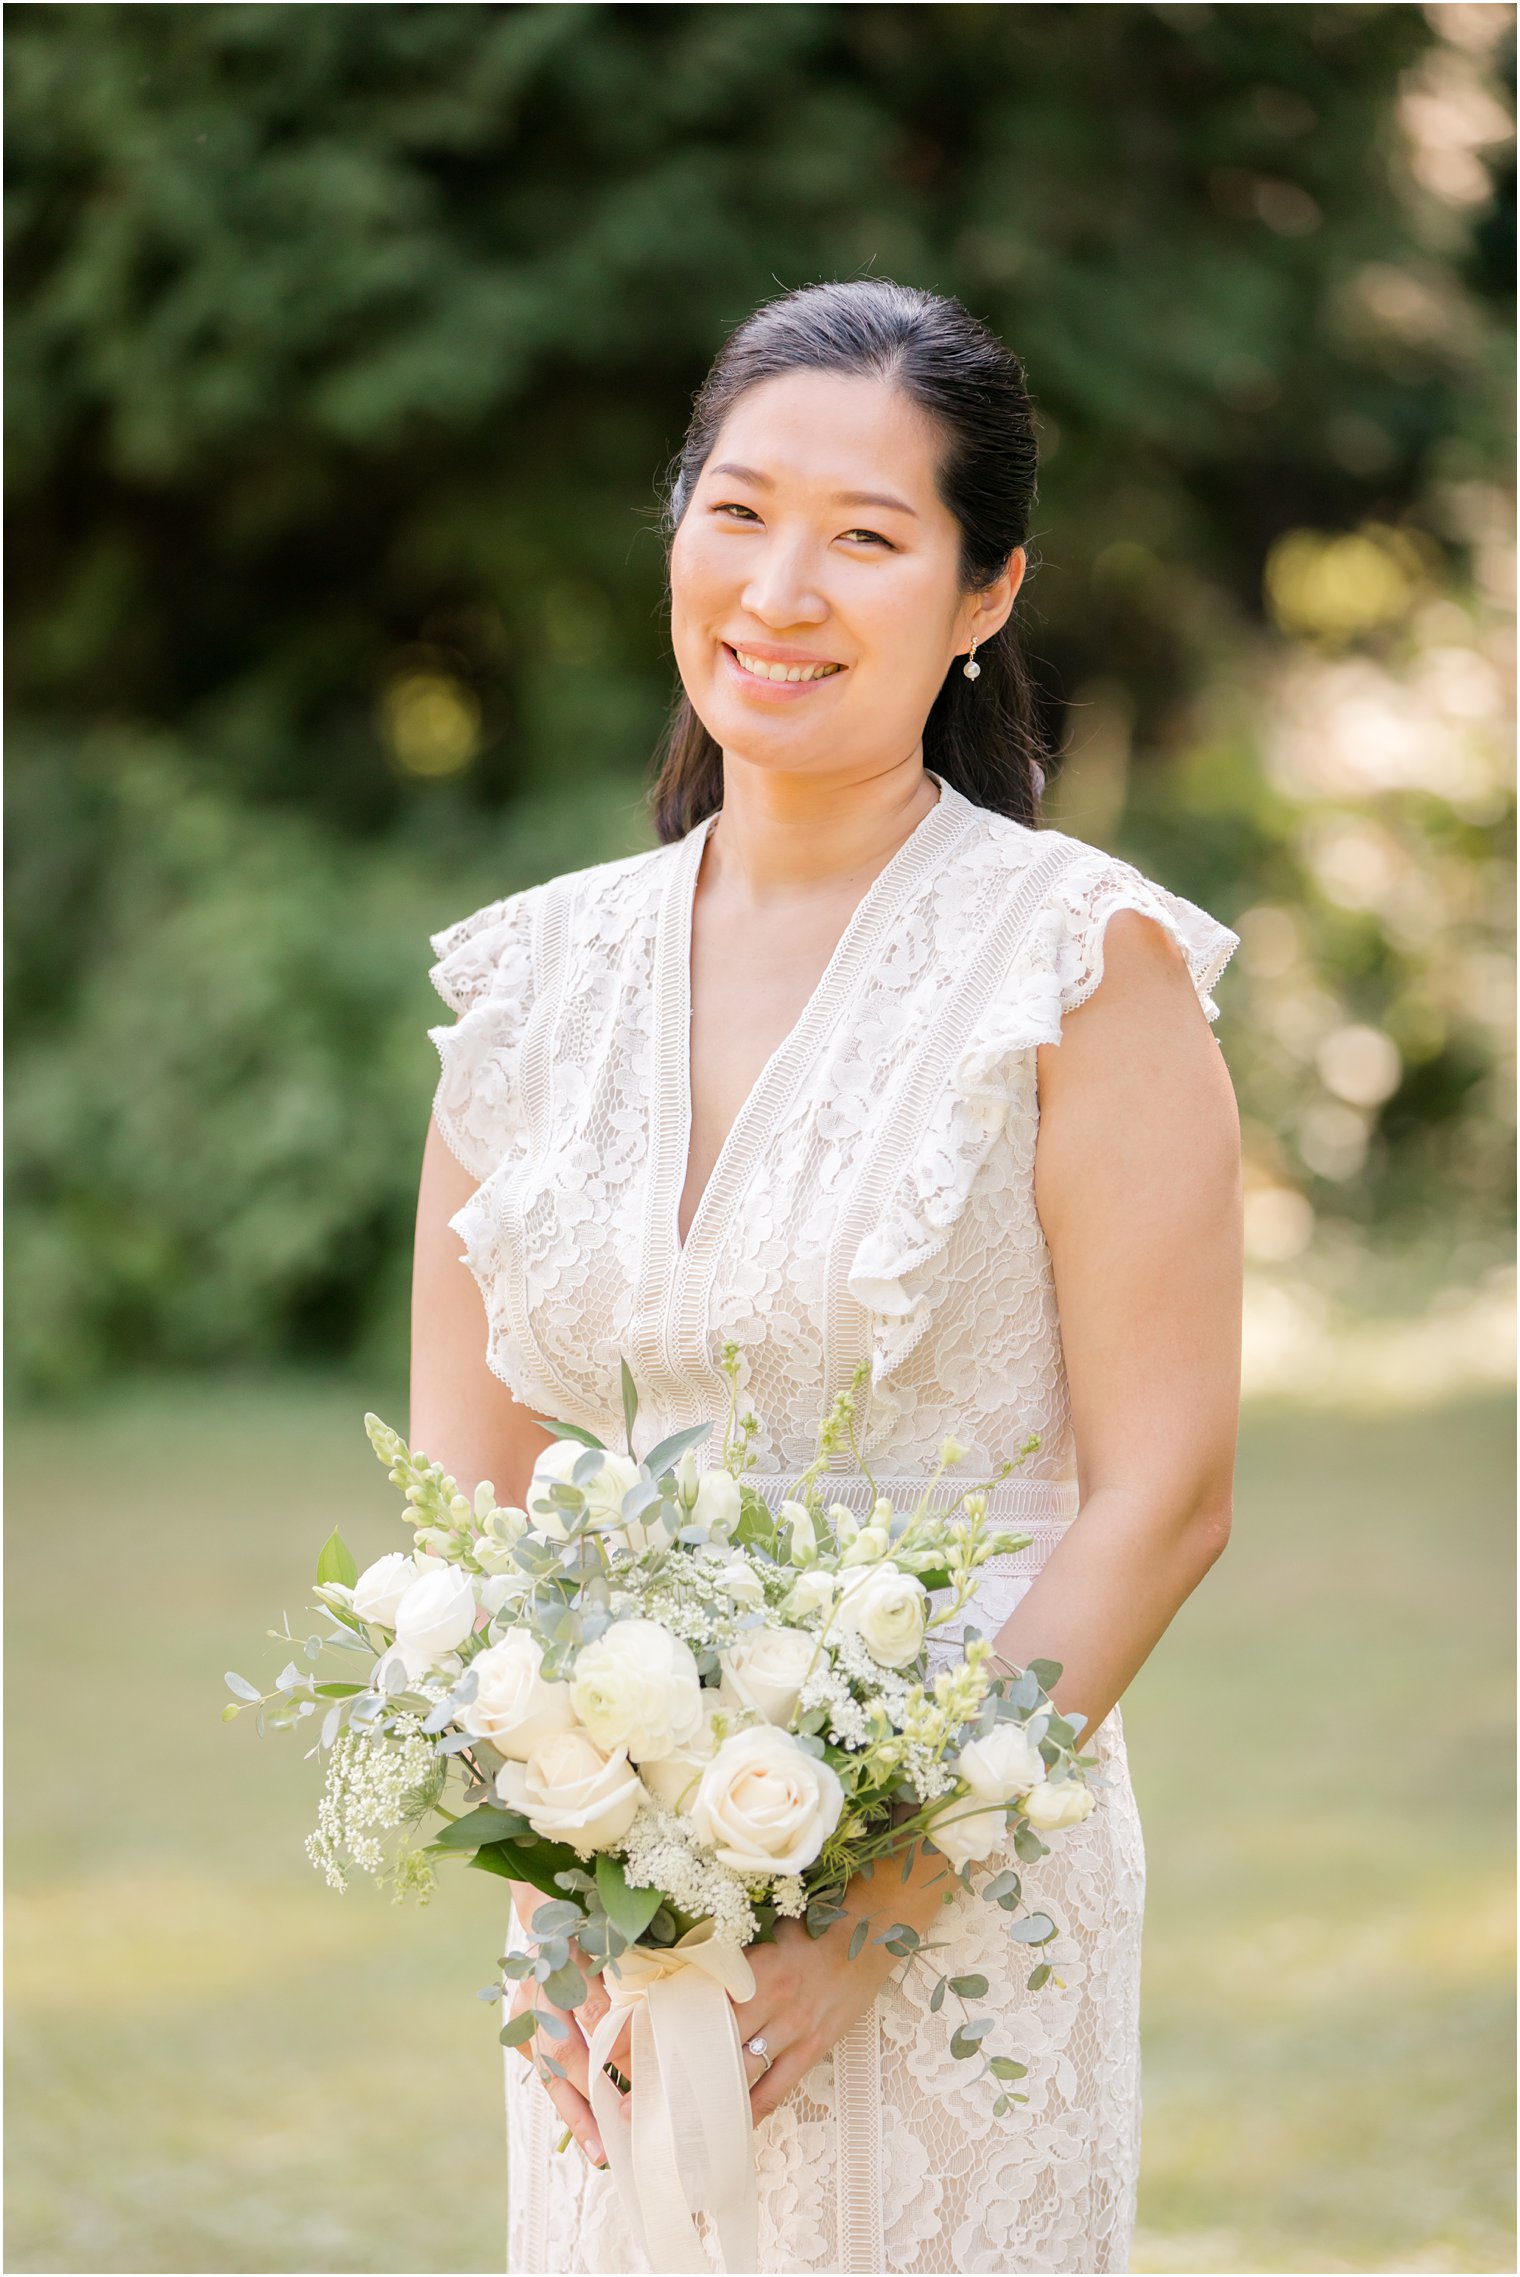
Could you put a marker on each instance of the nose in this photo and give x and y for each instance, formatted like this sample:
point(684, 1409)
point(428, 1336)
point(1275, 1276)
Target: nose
point(781, 589)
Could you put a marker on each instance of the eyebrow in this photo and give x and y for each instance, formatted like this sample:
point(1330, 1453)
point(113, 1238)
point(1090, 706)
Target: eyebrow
point(840, 497)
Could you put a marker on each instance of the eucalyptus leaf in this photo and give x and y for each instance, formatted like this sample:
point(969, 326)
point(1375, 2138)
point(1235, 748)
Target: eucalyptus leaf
point(521, 2027)
point(1035, 1929)
point(242, 1687)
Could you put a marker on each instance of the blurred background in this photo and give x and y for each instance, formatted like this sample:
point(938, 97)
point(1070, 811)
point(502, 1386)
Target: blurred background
point(346, 344)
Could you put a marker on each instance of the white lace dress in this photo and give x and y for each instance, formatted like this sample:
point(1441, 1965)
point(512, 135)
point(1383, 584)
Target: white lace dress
point(874, 1197)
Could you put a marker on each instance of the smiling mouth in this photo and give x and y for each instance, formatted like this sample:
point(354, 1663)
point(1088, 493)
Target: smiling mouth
point(781, 674)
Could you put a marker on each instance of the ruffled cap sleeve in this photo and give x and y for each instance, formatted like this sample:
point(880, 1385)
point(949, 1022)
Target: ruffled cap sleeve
point(1062, 963)
point(485, 973)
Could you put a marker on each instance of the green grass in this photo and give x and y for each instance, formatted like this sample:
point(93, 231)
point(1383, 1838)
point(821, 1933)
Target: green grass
point(217, 2064)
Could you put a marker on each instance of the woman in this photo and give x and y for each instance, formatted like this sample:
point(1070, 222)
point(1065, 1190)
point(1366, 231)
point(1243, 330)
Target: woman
point(860, 1062)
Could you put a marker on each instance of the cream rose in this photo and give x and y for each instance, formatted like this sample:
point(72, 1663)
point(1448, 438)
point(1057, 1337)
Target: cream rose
point(1057, 1804)
point(886, 1609)
point(673, 1779)
point(1004, 1764)
point(604, 1494)
point(764, 1672)
point(514, 1707)
point(381, 1587)
point(765, 1805)
point(571, 1790)
point(637, 1687)
point(436, 1613)
point(967, 1834)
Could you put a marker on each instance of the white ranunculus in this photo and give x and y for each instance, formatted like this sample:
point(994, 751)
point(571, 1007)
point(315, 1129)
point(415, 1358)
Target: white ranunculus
point(637, 1687)
point(571, 1790)
point(673, 1779)
point(740, 1581)
point(1004, 1764)
point(764, 1672)
point(436, 1613)
point(381, 1587)
point(604, 1495)
point(515, 1707)
point(886, 1609)
point(812, 1592)
point(765, 1805)
point(967, 1834)
point(868, 1548)
point(718, 1504)
point(1059, 1803)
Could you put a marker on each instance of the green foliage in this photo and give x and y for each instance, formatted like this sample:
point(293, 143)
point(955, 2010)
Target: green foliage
point(345, 348)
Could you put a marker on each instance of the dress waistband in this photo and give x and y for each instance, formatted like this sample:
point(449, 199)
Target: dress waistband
point(1028, 1505)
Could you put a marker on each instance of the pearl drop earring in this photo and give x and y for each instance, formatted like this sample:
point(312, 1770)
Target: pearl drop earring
point(971, 668)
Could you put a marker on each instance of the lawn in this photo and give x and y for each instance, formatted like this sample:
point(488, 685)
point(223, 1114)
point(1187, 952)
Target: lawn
point(216, 2064)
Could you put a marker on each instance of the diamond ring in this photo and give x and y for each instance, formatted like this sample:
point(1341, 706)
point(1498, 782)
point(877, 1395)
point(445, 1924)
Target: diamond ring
point(757, 2047)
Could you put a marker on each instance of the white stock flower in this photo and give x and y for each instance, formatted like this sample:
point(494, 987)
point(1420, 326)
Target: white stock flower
point(1059, 1803)
point(765, 1805)
point(795, 1522)
point(604, 1495)
point(741, 1582)
point(1005, 1764)
point(514, 1707)
point(436, 1613)
point(571, 1790)
point(812, 1592)
point(637, 1687)
point(381, 1587)
point(869, 1546)
point(765, 1672)
point(886, 1609)
point(673, 1779)
point(718, 1504)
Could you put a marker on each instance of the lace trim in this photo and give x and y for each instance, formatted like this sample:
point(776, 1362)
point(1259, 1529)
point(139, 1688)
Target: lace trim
point(485, 972)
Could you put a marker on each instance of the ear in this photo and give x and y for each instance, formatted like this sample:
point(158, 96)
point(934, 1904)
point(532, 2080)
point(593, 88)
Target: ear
point(988, 611)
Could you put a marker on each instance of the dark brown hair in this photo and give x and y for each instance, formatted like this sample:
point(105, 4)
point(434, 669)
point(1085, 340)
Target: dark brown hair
point(982, 736)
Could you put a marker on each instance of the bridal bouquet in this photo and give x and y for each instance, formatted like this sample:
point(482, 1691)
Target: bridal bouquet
point(682, 1716)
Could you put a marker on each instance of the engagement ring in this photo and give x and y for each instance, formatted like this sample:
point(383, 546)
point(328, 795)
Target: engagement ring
point(757, 2047)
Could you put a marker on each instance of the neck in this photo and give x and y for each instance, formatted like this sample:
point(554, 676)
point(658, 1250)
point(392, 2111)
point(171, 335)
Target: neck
point(780, 833)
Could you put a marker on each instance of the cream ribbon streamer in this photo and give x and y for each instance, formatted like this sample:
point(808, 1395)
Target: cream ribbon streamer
point(683, 2139)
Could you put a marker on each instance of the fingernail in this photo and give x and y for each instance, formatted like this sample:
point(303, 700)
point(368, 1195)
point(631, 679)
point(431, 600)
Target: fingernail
point(595, 2153)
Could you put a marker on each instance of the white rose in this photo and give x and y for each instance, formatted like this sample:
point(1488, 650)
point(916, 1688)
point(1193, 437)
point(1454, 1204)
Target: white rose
point(868, 1548)
point(741, 1582)
point(637, 1687)
point(1059, 1803)
point(571, 1790)
point(967, 1835)
point(765, 1805)
point(718, 1504)
point(765, 1671)
point(604, 1495)
point(514, 1707)
point(381, 1587)
point(811, 1592)
point(673, 1778)
point(886, 1609)
point(436, 1613)
point(1004, 1764)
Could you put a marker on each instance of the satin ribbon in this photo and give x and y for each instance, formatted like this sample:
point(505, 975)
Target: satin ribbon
point(683, 2138)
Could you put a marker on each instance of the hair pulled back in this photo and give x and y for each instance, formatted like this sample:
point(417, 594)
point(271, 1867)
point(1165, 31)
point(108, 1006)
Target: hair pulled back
point(981, 736)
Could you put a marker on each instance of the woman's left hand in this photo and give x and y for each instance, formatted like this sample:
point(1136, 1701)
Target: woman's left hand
point(808, 1992)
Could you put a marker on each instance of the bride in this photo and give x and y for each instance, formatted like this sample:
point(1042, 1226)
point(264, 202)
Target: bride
point(860, 1062)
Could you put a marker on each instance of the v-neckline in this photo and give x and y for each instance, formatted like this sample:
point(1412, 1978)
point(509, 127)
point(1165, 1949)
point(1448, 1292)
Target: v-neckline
point(671, 1133)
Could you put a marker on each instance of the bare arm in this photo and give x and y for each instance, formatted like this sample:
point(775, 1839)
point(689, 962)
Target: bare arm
point(1137, 1182)
point(462, 1414)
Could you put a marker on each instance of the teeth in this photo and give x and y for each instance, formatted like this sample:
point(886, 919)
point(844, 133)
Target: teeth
point(764, 671)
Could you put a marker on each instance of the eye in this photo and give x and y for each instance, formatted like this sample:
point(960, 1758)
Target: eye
point(875, 536)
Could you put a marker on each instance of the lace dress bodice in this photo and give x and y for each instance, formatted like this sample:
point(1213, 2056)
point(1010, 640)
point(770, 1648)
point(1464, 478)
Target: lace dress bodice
point(874, 1200)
